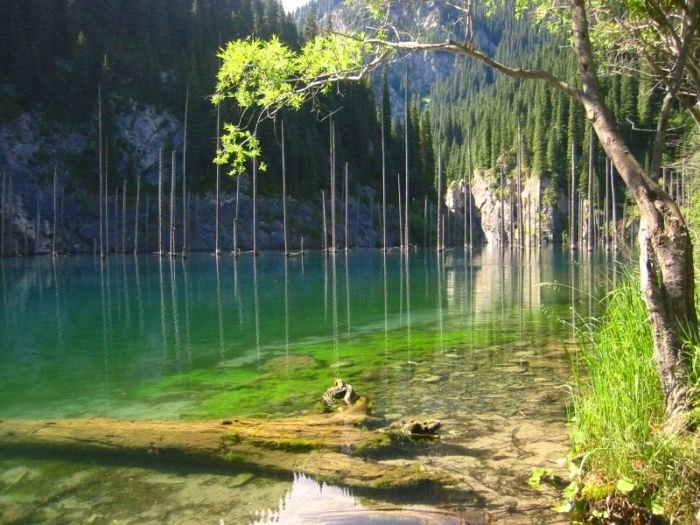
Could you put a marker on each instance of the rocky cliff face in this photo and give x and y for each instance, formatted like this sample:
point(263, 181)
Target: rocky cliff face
point(496, 208)
point(31, 151)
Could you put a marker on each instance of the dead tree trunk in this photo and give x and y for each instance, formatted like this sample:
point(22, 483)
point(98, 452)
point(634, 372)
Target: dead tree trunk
point(136, 215)
point(184, 176)
point(384, 247)
point(54, 250)
point(160, 201)
point(284, 195)
point(327, 447)
point(101, 168)
point(3, 212)
point(171, 225)
point(217, 201)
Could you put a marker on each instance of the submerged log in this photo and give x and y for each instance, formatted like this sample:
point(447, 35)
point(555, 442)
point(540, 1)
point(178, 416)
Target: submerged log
point(331, 448)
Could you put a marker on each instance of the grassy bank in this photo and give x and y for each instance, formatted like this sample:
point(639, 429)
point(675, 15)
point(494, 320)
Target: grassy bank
point(625, 469)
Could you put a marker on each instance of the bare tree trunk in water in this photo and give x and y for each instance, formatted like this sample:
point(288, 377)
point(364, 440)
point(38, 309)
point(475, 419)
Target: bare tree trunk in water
point(572, 207)
point(666, 255)
point(591, 209)
point(124, 216)
point(347, 231)
point(160, 201)
point(54, 251)
point(101, 167)
point(614, 207)
point(325, 226)
point(217, 215)
point(284, 194)
point(136, 215)
point(3, 212)
point(184, 177)
point(383, 185)
point(171, 225)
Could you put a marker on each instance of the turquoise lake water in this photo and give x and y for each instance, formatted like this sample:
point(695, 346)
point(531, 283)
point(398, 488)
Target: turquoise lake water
point(479, 341)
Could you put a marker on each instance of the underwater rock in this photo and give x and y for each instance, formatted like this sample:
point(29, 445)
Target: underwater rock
point(339, 390)
point(426, 428)
point(291, 363)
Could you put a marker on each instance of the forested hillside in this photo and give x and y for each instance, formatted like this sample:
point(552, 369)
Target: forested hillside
point(144, 71)
point(494, 123)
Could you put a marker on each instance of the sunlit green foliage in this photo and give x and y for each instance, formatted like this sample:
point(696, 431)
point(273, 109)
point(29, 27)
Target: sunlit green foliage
point(264, 77)
point(619, 445)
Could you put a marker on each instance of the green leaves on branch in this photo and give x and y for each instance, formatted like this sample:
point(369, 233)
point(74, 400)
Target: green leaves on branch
point(257, 74)
point(237, 147)
point(264, 77)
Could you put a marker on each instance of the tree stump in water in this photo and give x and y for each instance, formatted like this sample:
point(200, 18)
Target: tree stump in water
point(331, 448)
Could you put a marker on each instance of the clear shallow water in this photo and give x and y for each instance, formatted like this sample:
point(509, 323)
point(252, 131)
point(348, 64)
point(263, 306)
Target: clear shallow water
point(479, 342)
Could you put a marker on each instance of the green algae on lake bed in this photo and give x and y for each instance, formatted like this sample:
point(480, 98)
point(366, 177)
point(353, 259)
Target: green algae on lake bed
point(476, 342)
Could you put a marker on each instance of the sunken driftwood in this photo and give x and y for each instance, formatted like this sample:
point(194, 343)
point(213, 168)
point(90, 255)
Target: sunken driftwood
point(330, 447)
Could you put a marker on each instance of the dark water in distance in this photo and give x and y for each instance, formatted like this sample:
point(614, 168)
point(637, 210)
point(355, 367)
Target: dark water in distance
point(146, 337)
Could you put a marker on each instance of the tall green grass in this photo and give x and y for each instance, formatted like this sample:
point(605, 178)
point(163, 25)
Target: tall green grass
point(619, 413)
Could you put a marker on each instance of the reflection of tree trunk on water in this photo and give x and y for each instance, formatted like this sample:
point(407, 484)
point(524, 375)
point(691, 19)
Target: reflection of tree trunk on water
point(324, 244)
point(106, 197)
point(521, 292)
point(503, 281)
point(177, 337)
point(237, 292)
point(163, 329)
point(347, 295)
point(106, 317)
point(401, 236)
point(139, 294)
point(385, 376)
point(334, 305)
point(256, 307)
point(57, 299)
point(286, 307)
point(407, 269)
point(325, 289)
point(219, 310)
point(126, 296)
point(439, 268)
point(186, 287)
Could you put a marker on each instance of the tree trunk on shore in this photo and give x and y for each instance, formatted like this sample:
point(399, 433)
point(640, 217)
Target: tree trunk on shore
point(666, 254)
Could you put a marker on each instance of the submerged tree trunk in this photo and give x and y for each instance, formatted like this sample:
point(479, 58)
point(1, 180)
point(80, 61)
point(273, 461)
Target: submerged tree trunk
point(666, 255)
point(136, 215)
point(325, 446)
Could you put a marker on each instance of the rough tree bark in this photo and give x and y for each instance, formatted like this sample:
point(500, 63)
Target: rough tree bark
point(666, 255)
